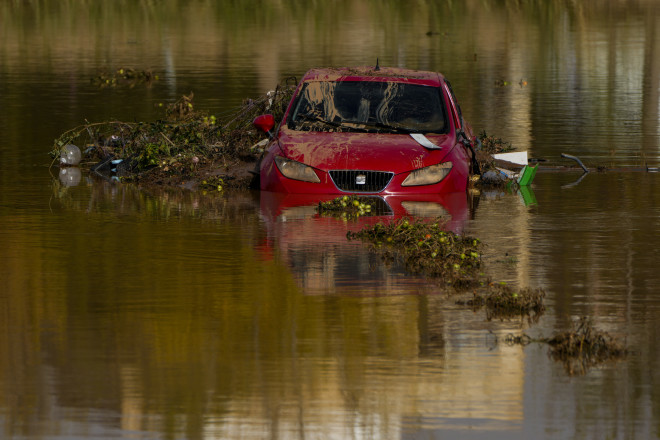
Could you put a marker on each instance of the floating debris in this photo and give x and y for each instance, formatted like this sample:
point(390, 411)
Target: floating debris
point(348, 207)
point(523, 339)
point(489, 146)
point(504, 83)
point(70, 155)
point(494, 145)
point(183, 109)
point(579, 162)
point(188, 145)
point(70, 176)
point(427, 249)
point(584, 347)
point(212, 183)
point(123, 77)
point(580, 349)
point(501, 301)
point(501, 166)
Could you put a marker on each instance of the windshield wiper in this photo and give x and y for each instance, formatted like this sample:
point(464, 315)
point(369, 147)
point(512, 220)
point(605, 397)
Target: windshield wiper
point(381, 126)
point(315, 118)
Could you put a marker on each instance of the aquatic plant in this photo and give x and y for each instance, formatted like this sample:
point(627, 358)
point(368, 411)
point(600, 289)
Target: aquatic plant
point(494, 145)
point(348, 207)
point(212, 183)
point(426, 248)
point(123, 76)
point(578, 349)
point(584, 347)
point(502, 301)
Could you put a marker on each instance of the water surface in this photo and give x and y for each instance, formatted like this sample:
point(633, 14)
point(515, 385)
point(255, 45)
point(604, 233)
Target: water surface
point(171, 314)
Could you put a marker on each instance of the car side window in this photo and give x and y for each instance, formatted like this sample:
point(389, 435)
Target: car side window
point(454, 102)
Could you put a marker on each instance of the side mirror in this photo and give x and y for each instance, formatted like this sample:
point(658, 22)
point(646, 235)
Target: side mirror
point(265, 123)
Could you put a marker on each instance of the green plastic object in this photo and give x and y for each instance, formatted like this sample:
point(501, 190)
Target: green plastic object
point(528, 196)
point(527, 175)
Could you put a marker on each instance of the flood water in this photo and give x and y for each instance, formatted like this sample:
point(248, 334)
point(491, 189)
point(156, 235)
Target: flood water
point(178, 315)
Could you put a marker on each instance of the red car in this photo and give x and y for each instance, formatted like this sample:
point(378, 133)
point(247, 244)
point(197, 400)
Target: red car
point(368, 130)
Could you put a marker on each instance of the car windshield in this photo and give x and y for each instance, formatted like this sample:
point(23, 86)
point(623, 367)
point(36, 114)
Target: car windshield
point(371, 106)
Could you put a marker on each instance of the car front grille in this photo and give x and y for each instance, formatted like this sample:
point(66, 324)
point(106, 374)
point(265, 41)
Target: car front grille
point(361, 181)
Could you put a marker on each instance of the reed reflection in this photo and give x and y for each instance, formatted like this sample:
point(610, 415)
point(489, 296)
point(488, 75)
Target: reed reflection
point(199, 335)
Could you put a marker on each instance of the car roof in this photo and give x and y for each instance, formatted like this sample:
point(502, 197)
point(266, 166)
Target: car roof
point(371, 73)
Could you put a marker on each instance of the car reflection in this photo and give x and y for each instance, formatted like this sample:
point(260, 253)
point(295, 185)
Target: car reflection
point(452, 207)
point(321, 259)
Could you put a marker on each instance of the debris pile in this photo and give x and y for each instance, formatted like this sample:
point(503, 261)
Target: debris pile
point(580, 349)
point(500, 166)
point(427, 249)
point(501, 301)
point(490, 145)
point(584, 347)
point(350, 207)
point(182, 149)
point(123, 77)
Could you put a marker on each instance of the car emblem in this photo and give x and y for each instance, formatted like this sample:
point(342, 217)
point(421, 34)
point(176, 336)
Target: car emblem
point(360, 179)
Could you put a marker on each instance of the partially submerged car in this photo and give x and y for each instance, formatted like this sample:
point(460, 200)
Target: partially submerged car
point(368, 130)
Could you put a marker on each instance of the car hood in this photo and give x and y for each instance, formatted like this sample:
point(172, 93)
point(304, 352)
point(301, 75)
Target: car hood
point(362, 151)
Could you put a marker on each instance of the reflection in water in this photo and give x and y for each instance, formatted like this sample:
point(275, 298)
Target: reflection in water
point(70, 176)
point(133, 314)
point(181, 328)
point(323, 261)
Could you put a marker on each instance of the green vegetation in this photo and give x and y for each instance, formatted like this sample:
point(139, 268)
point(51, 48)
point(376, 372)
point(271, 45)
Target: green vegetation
point(347, 207)
point(493, 145)
point(427, 249)
point(213, 183)
point(584, 347)
point(490, 145)
point(185, 145)
point(124, 77)
point(501, 301)
point(579, 349)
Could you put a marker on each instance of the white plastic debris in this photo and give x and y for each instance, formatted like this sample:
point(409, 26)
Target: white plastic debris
point(424, 141)
point(70, 176)
point(70, 155)
point(518, 157)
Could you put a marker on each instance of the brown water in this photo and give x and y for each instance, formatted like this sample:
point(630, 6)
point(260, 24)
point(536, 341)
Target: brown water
point(126, 314)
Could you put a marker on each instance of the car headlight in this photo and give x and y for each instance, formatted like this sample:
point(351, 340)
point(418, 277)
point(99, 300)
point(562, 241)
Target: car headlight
point(428, 175)
point(296, 170)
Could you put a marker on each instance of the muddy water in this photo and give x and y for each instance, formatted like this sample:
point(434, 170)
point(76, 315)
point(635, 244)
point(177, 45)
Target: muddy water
point(127, 314)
